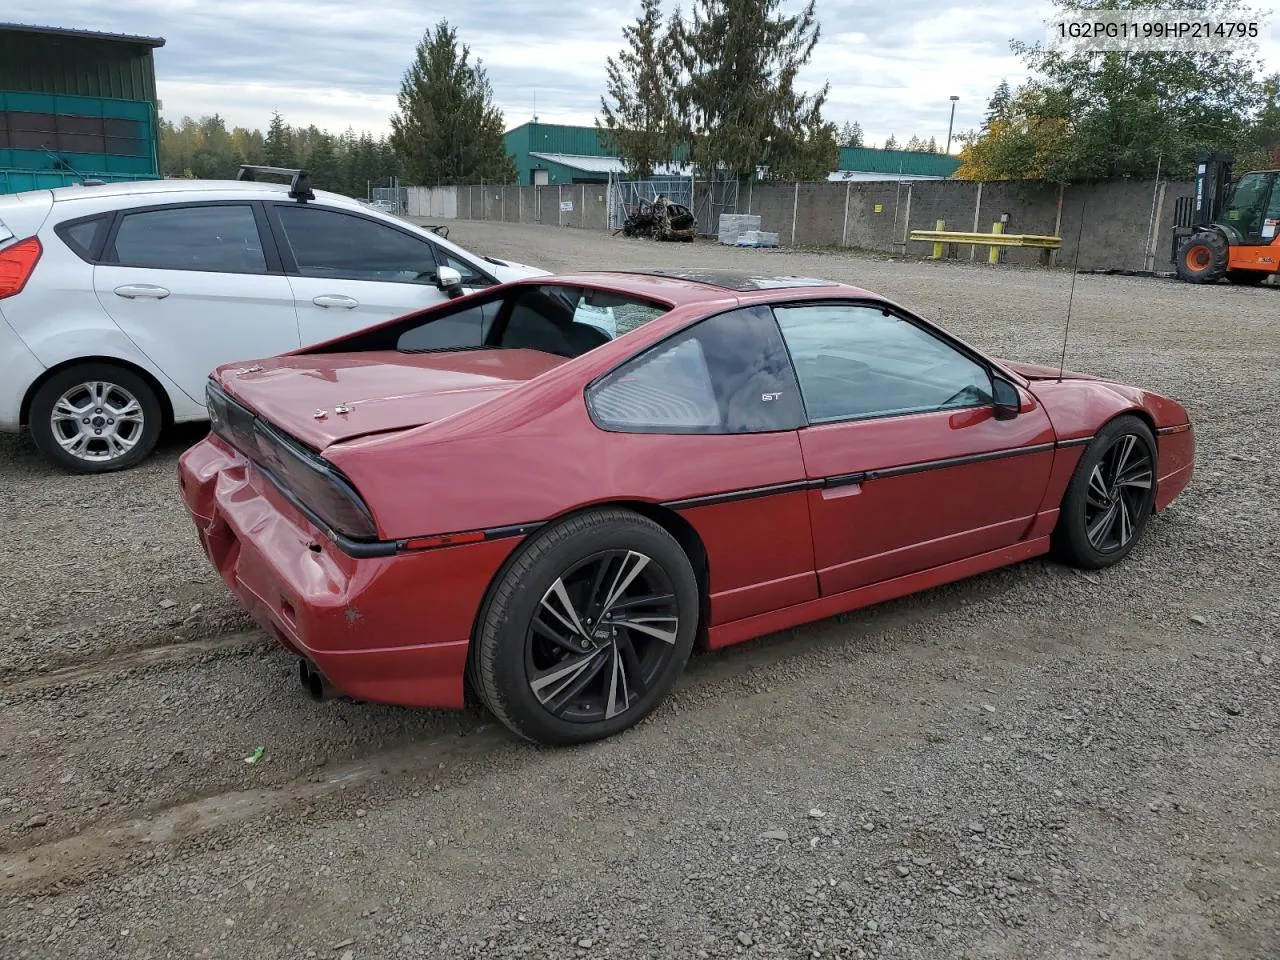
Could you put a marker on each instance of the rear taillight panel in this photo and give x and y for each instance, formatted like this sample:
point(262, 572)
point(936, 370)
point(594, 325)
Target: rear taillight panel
point(318, 485)
point(229, 419)
point(17, 263)
point(311, 482)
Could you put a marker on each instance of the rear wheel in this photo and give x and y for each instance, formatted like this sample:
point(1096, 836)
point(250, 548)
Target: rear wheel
point(1110, 496)
point(1202, 258)
point(95, 417)
point(1249, 278)
point(587, 629)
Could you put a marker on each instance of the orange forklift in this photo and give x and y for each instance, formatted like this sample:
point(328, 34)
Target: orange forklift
point(1228, 229)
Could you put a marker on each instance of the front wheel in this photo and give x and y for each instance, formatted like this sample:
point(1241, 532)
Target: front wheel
point(1110, 496)
point(95, 417)
point(1202, 258)
point(588, 628)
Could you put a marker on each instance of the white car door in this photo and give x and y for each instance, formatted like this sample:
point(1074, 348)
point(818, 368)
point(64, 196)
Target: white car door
point(349, 271)
point(192, 286)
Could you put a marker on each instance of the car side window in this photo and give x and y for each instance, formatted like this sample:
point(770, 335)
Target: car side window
point(85, 237)
point(727, 374)
point(855, 361)
point(342, 246)
point(221, 238)
point(471, 277)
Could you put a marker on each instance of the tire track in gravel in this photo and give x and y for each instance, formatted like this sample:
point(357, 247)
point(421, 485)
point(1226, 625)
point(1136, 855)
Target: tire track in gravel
point(111, 666)
point(70, 859)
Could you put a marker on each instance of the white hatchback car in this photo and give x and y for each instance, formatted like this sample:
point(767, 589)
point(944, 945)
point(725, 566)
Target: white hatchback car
point(117, 300)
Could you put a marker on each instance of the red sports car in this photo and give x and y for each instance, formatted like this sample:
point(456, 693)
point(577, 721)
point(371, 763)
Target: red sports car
point(553, 490)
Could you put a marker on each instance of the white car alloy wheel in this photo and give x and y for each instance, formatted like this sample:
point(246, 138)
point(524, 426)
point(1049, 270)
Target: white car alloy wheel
point(97, 421)
point(95, 417)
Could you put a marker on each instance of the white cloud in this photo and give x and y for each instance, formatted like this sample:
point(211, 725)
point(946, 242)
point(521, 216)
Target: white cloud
point(337, 64)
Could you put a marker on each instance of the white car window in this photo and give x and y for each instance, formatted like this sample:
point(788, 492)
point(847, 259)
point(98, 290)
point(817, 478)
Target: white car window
point(470, 276)
point(340, 246)
point(220, 238)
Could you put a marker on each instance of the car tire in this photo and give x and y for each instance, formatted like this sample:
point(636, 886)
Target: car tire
point(586, 629)
point(95, 391)
point(1110, 496)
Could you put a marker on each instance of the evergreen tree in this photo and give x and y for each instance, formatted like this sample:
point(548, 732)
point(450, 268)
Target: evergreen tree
point(324, 166)
point(998, 105)
point(931, 146)
point(738, 104)
point(851, 135)
point(891, 143)
point(277, 148)
point(914, 144)
point(640, 122)
point(447, 129)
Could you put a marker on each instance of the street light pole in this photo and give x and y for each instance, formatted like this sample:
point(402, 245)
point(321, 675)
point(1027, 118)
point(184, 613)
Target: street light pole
point(952, 122)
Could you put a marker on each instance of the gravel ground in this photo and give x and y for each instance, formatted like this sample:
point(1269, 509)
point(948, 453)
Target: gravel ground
point(1031, 763)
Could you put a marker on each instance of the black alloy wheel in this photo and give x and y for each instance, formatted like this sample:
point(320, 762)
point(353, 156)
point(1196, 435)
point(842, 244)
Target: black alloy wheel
point(586, 629)
point(602, 633)
point(1110, 497)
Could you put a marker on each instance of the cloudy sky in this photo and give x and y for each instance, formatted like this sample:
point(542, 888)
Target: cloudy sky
point(891, 66)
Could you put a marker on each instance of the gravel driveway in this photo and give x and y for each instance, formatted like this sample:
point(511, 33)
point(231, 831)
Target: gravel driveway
point(1032, 763)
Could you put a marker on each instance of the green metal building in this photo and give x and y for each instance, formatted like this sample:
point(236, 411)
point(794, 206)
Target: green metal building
point(552, 153)
point(75, 104)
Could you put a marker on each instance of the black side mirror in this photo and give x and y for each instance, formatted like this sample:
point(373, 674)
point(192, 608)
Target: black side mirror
point(1007, 400)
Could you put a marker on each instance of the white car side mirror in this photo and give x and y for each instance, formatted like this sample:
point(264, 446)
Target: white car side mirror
point(449, 280)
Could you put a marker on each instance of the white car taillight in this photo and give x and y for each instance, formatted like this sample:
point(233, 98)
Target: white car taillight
point(17, 264)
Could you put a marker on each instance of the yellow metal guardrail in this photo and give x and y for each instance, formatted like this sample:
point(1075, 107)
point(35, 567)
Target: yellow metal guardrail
point(995, 240)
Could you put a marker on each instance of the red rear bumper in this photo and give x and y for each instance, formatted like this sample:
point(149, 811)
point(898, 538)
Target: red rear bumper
point(388, 629)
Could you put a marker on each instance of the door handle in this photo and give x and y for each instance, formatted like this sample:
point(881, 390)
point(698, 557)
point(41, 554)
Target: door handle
point(134, 291)
point(334, 300)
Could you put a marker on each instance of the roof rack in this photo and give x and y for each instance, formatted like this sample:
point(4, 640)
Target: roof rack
point(299, 182)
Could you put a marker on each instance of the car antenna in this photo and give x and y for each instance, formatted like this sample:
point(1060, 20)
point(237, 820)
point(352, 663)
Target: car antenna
point(62, 163)
point(1075, 269)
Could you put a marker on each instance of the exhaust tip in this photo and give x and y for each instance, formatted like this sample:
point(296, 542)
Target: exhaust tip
point(313, 681)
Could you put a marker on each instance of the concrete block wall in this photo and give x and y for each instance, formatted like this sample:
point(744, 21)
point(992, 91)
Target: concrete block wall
point(438, 203)
point(878, 215)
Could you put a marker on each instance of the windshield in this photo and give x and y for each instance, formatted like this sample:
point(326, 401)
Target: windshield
point(1248, 202)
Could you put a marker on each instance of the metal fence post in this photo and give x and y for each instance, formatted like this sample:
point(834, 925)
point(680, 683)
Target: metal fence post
point(993, 255)
point(559, 208)
point(795, 205)
point(977, 209)
point(937, 245)
point(844, 227)
point(906, 220)
point(1057, 223)
point(1151, 255)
